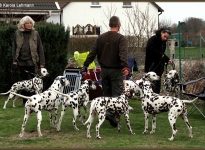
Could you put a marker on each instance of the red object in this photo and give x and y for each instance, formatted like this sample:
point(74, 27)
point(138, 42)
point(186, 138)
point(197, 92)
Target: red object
point(94, 75)
point(95, 93)
point(91, 74)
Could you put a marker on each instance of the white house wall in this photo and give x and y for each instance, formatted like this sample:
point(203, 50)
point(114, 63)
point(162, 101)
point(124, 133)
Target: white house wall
point(82, 13)
point(54, 18)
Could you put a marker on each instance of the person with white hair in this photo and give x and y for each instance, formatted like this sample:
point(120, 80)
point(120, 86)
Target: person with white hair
point(27, 50)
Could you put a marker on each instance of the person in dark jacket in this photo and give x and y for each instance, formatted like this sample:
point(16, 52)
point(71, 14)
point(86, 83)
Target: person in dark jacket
point(27, 50)
point(155, 58)
point(111, 51)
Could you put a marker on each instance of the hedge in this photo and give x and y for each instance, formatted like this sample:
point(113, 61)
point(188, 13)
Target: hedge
point(55, 40)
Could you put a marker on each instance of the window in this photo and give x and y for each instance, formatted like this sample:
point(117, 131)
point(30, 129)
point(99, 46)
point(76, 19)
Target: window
point(95, 4)
point(127, 5)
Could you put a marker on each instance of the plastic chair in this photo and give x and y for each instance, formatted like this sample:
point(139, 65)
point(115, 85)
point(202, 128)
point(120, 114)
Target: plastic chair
point(200, 103)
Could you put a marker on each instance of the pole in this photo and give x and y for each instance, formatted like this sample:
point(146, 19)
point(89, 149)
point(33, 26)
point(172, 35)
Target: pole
point(200, 43)
point(180, 68)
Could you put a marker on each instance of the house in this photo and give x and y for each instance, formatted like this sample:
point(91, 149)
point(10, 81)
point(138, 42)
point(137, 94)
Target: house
point(97, 15)
point(89, 18)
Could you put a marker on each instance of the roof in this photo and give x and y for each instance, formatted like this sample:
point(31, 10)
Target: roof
point(159, 8)
point(28, 5)
point(63, 4)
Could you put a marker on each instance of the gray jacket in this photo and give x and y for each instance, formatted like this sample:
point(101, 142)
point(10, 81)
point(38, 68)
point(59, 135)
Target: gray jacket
point(35, 46)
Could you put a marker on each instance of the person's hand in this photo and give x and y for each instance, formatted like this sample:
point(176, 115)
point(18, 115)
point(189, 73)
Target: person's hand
point(170, 62)
point(15, 64)
point(126, 71)
point(42, 66)
point(84, 70)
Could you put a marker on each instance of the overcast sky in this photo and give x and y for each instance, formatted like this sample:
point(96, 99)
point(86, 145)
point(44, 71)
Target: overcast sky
point(178, 11)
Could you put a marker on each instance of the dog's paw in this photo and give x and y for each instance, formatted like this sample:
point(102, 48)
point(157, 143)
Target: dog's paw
point(89, 137)
point(152, 132)
point(76, 128)
point(98, 137)
point(132, 133)
point(130, 108)
point(58, 129)
point(171, 139)
point(40, 135)
point(145, 132)
point(21, 135)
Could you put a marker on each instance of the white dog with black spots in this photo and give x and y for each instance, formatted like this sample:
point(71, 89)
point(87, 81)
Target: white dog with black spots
point(33, 85)
point(48, 100)
point(76, 99)
point(115, 105)
point(154, 104)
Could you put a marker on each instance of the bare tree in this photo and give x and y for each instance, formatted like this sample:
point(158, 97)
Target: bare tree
point(140, 26)
point(164, 23)
point(111, 10)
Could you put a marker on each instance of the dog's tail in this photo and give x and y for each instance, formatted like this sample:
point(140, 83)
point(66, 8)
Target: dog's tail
point(91, 111)
point(66, 95)
point(20, 95)
point(189, 101)
point(5, 93)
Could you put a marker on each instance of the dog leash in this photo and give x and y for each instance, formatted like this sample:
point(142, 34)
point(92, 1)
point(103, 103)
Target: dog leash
point(156, 66)
point(135, 82)
point(173, 66)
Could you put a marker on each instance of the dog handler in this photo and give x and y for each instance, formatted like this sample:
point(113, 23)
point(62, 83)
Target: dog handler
point(27, 50)
point(111, 50)
point(155, 58)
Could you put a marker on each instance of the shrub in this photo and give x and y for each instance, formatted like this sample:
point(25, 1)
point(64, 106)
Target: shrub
point(54, 38)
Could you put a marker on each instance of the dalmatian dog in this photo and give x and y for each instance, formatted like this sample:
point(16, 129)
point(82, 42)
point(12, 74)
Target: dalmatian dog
point(154, 104)
point(48, 100)
point(134, 85)
point(171, 83)
point(76, 100)
point(33, 85)
point(116, 105)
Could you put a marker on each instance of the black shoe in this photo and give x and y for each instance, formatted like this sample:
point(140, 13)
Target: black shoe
point(112, 120)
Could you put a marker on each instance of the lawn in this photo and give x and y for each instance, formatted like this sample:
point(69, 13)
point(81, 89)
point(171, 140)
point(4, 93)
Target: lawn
point(189, 52)
point(11, 120)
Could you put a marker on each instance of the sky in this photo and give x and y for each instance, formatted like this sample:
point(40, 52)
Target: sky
point(178, 11)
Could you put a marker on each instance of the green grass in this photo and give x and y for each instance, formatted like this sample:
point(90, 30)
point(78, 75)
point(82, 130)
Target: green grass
point(187, 53)
point(12, 118)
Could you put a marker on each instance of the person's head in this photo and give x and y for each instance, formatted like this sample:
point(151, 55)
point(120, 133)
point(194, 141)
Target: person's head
point(26, 23)
point(114, 22)
point(164, 33)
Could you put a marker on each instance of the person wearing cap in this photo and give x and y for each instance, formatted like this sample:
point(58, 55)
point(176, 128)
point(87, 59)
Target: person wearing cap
point(27, 51)
point(155, 57)
point(111, 51)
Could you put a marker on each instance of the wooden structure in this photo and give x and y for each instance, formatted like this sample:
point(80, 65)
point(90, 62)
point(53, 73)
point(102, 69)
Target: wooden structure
point(84, 30)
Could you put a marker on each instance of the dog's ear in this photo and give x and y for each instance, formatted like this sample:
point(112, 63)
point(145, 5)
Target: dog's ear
point(140, 84)
point(176, 77)
point(62, 80)
point(90, 82)
point(39, 71)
